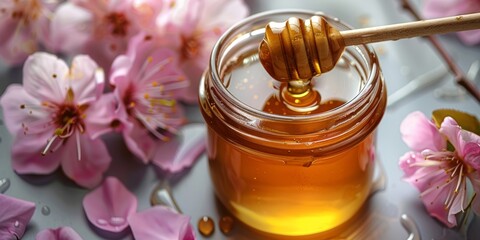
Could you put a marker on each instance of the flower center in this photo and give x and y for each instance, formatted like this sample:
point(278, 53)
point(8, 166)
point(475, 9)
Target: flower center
point(190, 47)
point(24, 12)
point(119, 24)
point(68, 116)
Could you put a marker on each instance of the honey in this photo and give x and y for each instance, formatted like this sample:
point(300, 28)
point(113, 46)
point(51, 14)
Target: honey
point(206, 226)
point(296, 166)
point(226, 224)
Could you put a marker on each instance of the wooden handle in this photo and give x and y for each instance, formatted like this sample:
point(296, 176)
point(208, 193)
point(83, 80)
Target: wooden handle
point(411, 29)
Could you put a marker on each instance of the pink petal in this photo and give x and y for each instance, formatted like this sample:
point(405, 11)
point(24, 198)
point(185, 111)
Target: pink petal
point(109, 206)
point(95, 160)
point(139, 140)
point(61, 233)
point(451, 130)
point(119, 70)
point(7, 24)
point(44, 77)
point(27, 155)
point(145, 12)
point(419, 133)
point(470, 38)
point(181, 151)
point(18, 47)
point(161, 223)
point(101, 114)
point(15, 214)
point(86, 79)
point(70, 28)
point(11, 101)
point(472, 155)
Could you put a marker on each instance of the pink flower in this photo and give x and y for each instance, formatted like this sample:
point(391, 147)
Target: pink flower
point(23, 24)
point(109, 206)
point(147, 84)
point(444, 8)
point(100, 29)
point(192, 27)
point(15, 214)
point(161, 223)
point(438, 172)
point(61, 233)
point(56, 117)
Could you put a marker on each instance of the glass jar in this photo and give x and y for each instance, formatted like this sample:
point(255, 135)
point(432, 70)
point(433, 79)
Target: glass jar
point(290, 174)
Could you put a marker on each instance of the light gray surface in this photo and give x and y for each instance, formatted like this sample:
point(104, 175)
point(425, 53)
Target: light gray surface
point(401, 61)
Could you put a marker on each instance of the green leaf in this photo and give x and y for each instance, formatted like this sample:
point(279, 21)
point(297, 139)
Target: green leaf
point(466, 121)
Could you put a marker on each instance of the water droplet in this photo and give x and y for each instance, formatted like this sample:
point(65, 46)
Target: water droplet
point(226, 224)
point(206, 226)
point(117, 221)
point(45, 210)
point(4, 184)
point(16, 224)
point(161, 195)
point(410, 226)
point(102, 222)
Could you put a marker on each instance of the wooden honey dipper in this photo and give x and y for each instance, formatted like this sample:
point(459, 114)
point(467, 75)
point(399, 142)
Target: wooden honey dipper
point(296, 50)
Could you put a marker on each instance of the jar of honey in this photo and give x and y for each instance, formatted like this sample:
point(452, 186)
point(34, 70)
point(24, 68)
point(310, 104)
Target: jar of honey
point(283, 170)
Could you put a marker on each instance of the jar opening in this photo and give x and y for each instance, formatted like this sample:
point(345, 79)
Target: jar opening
point(242, 81)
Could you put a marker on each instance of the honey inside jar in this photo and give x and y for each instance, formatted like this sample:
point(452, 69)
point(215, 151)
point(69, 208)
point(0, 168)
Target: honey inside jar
point(279, 169)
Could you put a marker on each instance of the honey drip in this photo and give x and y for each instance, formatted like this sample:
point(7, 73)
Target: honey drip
point(226, 224)
point(206, 226)
point(289, 104)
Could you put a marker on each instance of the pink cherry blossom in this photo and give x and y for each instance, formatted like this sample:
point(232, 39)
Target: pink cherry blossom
point(100, 29)
point(147, 83)
point(444, 8)
point(441, 175)
point(109, 206)
point(56, 118)
point(161, 223)
point(23, 25)
point(192, 27)
point(15, 214)
point(61, 233)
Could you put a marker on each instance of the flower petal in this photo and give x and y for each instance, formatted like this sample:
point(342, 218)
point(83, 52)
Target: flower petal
point(86, 79)
point(183, 150)
point(419, 133)
point(44, 77)
point(18, 47)
point(61, 233)
point(100, 115)
point(109, 206)
point(22, 110)
point(94, 160)
point(70, 28)
point(471, 153)
point(15, 214)
point(161, 223)
point(138, 140)
point(27, 155)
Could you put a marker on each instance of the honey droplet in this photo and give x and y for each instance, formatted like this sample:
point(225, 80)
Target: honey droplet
point(206, 226)
point(226, 224)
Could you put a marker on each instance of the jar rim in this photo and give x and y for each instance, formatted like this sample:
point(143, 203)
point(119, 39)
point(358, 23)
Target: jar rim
point(371, 76)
